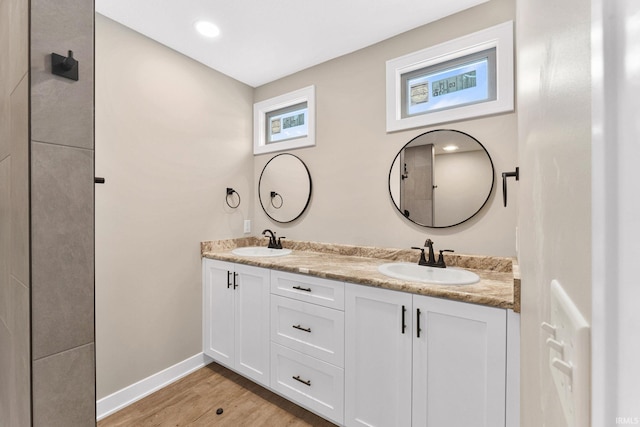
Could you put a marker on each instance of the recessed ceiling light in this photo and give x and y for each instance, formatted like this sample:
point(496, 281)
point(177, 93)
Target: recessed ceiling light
point(207, 29)
point(450, 147)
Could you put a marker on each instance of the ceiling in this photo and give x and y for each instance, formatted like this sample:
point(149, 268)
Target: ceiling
point(264, 40)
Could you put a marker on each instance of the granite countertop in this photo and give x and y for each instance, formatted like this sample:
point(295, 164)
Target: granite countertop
point(499, 284)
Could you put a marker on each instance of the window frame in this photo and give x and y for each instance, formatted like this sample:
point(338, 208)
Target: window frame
point(499, 37)
point(280, 104)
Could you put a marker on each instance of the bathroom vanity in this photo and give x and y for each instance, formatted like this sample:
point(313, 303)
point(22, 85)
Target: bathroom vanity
point(323, 328)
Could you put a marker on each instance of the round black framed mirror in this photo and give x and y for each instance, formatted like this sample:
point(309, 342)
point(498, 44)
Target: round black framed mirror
point(284, 188)
point(441, 178)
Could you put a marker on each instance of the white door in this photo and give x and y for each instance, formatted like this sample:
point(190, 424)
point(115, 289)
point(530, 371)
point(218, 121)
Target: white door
point(252, 322)
point(459, 360)
point(218, 311)
point(377, 357)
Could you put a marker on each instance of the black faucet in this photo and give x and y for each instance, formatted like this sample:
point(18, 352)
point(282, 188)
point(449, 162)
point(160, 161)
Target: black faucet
point(273, 243)
point(272, 238)
point(431, 262)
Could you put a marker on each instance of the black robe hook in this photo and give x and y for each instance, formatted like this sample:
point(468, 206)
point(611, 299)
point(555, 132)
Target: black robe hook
point(64, 66)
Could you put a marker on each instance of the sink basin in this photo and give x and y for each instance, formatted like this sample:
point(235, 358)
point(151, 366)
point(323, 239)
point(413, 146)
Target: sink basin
point(420, 273)
point(260, 251)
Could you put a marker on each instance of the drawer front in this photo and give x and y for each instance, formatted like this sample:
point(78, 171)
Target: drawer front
point(308, 328)
point(325, 292)
point(317, 385)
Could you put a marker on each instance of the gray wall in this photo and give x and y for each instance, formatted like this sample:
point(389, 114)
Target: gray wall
point(15, 359)
point(171, 135)
point(554, 126)
point(46, 207)
point(353, 153)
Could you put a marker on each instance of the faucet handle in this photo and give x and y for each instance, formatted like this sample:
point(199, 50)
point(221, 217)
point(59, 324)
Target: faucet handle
point(423, 260)
point(279, 244)
point(441, 262)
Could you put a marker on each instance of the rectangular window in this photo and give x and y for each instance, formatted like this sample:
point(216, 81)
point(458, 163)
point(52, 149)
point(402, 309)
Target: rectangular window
point(463, 81)
point(287, 123)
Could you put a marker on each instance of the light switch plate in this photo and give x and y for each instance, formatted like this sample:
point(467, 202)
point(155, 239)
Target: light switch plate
point(570, 362)
point(247, 226)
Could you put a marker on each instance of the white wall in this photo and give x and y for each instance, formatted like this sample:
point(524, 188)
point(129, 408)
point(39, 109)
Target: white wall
point(350, 163)
point(554, 126)
point(616, 209)
point(171, 135)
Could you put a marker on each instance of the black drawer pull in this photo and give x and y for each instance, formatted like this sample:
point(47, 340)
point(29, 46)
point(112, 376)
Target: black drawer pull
point(418, 322)
point(297, 378)
point(235, 280)
point(301, 328)
point(228, 279)
point(302, 289)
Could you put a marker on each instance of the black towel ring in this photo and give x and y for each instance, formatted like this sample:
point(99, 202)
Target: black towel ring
point(273, 196)
point(230, 192)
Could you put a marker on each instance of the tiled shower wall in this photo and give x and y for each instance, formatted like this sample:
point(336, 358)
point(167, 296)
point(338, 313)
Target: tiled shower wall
point(47, 362)
point(62, 243)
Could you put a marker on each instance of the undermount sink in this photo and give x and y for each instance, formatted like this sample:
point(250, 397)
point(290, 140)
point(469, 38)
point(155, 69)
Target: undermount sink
point(420, 273)
point(260, 251)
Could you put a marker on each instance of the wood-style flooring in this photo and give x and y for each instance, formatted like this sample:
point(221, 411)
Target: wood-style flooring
point(194, 400)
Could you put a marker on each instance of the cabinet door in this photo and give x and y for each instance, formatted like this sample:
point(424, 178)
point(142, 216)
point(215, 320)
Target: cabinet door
point(218, 311)
point(252, 322)
point(377, 357)
point(459, 364)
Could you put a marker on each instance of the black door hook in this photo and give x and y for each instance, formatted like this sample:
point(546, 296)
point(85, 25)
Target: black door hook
point(506, 175)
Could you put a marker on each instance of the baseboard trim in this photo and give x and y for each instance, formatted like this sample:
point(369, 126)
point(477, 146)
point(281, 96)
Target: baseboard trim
point(125, 397)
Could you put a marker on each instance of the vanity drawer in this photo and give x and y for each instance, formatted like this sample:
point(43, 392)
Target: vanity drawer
point(310, 382)
point(329, 293)
point(308, 328)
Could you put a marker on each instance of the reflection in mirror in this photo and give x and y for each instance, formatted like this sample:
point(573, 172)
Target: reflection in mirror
point(441, 178)
point(284, 188)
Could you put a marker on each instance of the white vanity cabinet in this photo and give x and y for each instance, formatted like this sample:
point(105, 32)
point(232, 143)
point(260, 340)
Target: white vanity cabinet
point(236, 317)
point(413, 360)
point(361, 355)
point(307, 342)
